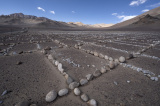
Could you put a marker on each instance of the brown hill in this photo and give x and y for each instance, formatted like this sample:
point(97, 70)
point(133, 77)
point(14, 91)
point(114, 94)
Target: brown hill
point(145, 18)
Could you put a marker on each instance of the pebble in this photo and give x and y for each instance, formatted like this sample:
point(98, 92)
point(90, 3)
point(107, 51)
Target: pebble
point(60, 68)
point(50, 57)
point(95, 54)
point(56, 63)
point(103, 70)
point(63, 92)
point(101, 55)
point(83, 81)
point(89, 77)
point(111, 64)
point(92, 102)
point(159, 76)
point(77, 91)
point(51, 96)
point(110, 59)
point(154, 78)
point(122, 59)
point(4, 92)
point(69, 80)
point(128, 81)
point(115, 83)
point(47, 48)
point(130, 56)
point(23, 103)
point(73, 85)
point(97, 73)
point(84, 97)
point(106, 57)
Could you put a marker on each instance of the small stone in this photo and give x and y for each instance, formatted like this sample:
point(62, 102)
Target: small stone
point(154, 78)
point(50, 57)
point(51, 96)
point(19, 63)
point(103, 70)
point(106, 57)
point(76, 46)
point(44, 51)
point(110, 59)
point(115, 83)
point(92, 102)
point(88, 51)
point(96, 54)
point(111, 64)
point(97, 73)
point(63, 92)
point(128, 81)
point(77, 91)
point(4, 92)
point(60, 68)
point(73, 85)
point(84, 97)
point(122, 59)
point(23, 103)
point(69, 80)
point(56, 63)
point(89, 77)
point(83, 81)
point(1, 102)
point(101, 55)
point(159, 76)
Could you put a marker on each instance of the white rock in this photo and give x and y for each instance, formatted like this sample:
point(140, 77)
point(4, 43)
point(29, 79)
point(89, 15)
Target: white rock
point(83, 81)
point(106, 57)
point(89, 77)
point(84, 97)
point(111, 64)
point(77, 91)
point(63, 92)
point(73, 85)
point(56, 63)
point(51, 96)
point(95, 54)
point(60, 68)
point(92, 102)
point(122, 59)
point(50, 57)
point(101, 55)
point(103, 70)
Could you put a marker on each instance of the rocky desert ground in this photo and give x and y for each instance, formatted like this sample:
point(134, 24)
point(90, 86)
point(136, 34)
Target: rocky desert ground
point(80, 68)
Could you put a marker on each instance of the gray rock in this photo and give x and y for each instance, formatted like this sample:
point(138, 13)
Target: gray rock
point(92, 102)
point(84, 97)
point(101, 55)
point(97, 73)
point(69, 80)
point(63, 92)
point(56, 63)
point(51, 96)
point(73, 85)
point(77, 91)
point(110, 59)
point(4, 92)
point(89, 77)
point(83, 81)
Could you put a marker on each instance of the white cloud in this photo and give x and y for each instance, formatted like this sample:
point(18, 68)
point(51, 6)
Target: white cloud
point(39, 8)
point(145, 10)
point(73, 12)
point(137, 2)
point(114, 14)
point(155, 5)
point(52, 12)
point(125, 17)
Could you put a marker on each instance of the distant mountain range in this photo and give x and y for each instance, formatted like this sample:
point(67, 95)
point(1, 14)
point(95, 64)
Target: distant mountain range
point(147, 21)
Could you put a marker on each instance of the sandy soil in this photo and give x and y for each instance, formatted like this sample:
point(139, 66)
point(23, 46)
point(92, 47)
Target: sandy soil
point(36, 76)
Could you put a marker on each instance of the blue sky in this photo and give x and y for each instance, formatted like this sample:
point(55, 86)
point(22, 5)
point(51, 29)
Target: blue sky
point(85, 11)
